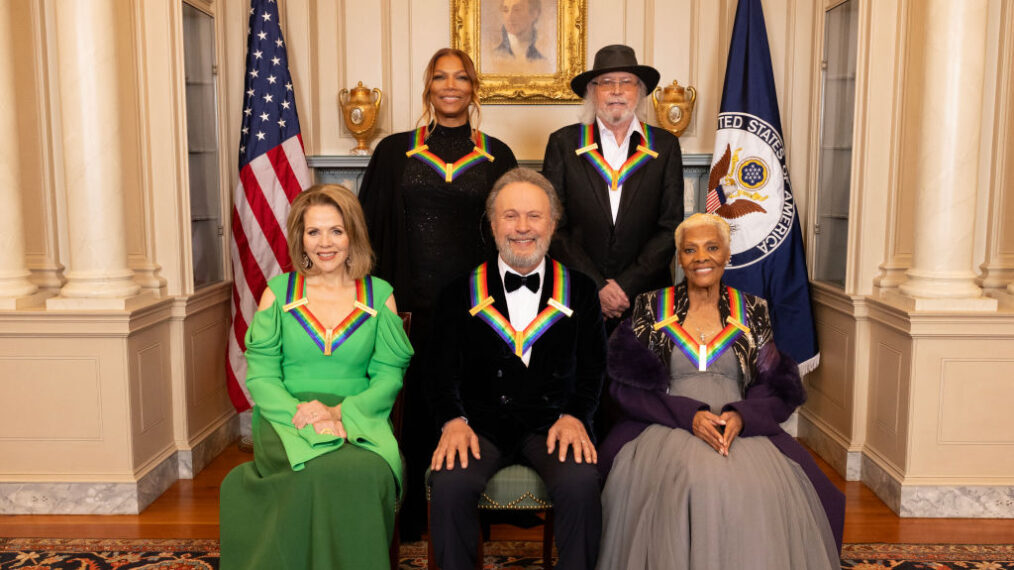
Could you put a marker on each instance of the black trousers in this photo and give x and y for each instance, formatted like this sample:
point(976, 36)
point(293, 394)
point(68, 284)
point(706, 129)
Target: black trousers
point(608, 413)
point(417, 439)
point(573, 487)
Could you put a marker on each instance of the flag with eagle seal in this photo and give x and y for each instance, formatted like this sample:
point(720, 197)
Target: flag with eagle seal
point(749, 187)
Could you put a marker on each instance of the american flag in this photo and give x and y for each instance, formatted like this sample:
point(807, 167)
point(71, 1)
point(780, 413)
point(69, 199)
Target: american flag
point(712, 202)
point(272, 171)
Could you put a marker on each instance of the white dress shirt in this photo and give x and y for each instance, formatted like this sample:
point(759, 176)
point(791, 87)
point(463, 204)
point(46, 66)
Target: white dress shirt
point(523, 303)
point(615, 153)
point(518, 49)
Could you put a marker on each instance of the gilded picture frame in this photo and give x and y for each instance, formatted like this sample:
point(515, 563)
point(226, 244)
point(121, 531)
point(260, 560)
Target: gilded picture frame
point(522, 59)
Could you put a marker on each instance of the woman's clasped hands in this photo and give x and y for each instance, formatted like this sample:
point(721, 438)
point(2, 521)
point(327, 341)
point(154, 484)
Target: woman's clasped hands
point(324, 419)
point(718, 431)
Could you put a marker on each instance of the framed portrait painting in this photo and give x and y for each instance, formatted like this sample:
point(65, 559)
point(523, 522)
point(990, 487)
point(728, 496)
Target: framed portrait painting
point(526, 51)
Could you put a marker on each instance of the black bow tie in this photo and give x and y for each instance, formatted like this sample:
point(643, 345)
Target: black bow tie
point(513, 281)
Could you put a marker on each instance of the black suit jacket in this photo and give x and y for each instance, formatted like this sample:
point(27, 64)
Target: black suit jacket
point(474, 373)
point(638, 249)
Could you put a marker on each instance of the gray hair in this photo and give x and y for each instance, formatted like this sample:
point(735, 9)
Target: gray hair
point(701, 219)
point(589, 111)
point(529, 176)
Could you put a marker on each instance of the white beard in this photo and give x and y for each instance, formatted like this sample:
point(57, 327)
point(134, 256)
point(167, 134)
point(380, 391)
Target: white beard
point(516, 260)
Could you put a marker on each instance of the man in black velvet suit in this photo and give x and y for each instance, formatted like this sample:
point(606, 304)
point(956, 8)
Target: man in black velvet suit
point(621, 184)
point(504, 397)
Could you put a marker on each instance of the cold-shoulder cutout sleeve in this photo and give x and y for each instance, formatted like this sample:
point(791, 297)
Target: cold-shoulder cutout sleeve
point(264, 366)
point(365, 415)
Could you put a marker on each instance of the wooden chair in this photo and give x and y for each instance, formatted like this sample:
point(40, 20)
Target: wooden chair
point(396, 424)
point(513, 488)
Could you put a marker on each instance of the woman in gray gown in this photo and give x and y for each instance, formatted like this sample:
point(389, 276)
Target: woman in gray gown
point(702, 476)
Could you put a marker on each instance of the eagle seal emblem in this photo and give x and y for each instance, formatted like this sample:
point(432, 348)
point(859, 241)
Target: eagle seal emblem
point(749, 187)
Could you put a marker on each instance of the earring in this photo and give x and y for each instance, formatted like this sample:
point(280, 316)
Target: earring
point(306, 262)
point(348, 261)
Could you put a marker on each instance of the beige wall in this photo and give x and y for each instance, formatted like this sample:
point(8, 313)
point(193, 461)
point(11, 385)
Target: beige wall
point(106, 381)
point(334, 44)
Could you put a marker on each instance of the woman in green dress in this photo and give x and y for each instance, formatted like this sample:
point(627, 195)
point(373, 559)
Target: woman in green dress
point(326, 353)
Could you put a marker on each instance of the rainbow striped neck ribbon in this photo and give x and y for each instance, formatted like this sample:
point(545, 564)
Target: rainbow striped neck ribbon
point(328, 340)
point(520, 341)
point(450, 170)
point(615, 178)
point(702, 355)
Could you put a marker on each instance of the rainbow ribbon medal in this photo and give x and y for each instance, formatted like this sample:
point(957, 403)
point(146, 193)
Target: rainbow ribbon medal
point(328, 340)
point(520, 341)
point(702, 355)
point(615, 178)
point(450, 170)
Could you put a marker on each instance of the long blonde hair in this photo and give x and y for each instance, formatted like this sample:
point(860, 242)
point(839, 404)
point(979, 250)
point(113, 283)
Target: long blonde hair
point(474, 110)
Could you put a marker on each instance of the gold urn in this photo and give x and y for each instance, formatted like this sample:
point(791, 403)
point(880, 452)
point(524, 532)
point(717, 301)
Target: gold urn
point(359, 109)
point(675, 107)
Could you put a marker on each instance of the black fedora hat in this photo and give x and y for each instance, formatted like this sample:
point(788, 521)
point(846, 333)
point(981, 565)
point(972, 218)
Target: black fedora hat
point(615, 58)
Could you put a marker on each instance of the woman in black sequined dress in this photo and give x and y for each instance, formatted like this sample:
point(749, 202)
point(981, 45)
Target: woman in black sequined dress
point(424, 195)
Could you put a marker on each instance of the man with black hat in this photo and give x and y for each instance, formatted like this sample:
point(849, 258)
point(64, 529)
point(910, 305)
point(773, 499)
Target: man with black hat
point(621, 183)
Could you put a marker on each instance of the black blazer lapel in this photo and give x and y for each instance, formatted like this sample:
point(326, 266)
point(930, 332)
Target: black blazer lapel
point(547, 285)
point(503, 349)
point(547, 292)
point(598, 185)
point(496, 289)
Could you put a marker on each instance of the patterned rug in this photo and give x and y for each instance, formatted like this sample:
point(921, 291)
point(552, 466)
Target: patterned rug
point(181, 554)
point(107, 554)
point(928, 556)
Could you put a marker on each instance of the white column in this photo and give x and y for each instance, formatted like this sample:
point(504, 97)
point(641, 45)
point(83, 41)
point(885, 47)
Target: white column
point(15, 288)
point(954, 57)
point(998, 271)
point(98, 276)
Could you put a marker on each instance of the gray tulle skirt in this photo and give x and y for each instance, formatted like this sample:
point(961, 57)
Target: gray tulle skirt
point(671, 502)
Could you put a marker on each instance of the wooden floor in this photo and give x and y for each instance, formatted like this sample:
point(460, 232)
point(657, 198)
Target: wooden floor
point(189, 509)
